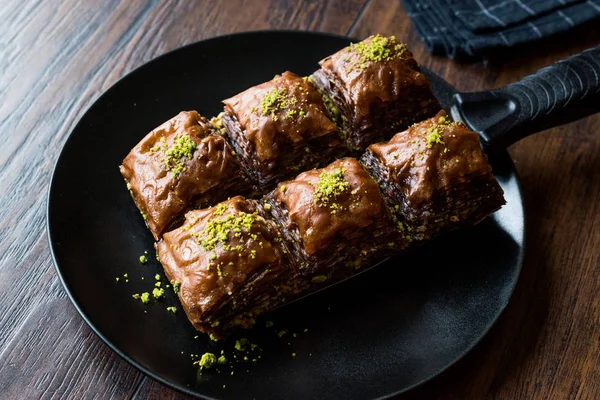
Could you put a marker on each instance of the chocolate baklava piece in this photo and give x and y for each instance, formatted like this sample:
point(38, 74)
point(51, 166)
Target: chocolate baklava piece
point(435, 177)
point(334, 220)
point(228, 265)
point(376, 89)
point(280, 128)
point(182, 164)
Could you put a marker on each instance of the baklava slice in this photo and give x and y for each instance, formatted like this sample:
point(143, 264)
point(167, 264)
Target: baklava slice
point(334, 220)
point(435, 177)
point(182, 164)
point(280, 128)
point(229, 265)
point(377, 89)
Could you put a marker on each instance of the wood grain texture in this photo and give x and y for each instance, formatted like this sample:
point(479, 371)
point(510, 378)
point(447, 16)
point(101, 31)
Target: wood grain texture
point(57, 57)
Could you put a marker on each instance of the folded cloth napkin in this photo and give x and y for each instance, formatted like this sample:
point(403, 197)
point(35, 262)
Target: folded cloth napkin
point(475, 28)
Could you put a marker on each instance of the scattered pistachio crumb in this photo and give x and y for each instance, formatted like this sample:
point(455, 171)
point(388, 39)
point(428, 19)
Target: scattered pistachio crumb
point(157, 293)
point(145, 297)
point(176, 286)
point(157, 277)
point(143, 259)
point(172, 309)
point(207, 361)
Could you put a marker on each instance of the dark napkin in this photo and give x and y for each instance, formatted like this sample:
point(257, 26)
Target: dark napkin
point(477, 28)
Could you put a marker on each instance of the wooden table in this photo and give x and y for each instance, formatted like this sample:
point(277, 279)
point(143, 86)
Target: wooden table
point(56, 58)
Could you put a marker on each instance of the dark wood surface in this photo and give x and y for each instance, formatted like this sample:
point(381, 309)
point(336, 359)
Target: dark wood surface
point(57, 57)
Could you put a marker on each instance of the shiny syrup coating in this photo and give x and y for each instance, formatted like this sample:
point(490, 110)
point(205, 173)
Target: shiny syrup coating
point(421, 167)
point(319, 223)
point(268, 131)
point(159, 195)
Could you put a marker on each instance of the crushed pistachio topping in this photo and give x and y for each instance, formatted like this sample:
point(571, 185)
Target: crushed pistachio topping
point(207, 361)
point(174, 157)
point(378, 49)
point(222, 360)
point(143, 259)
point(217, 123)
point(319, 279)
point(330, 185)
point(176, 286)
point(241, 344)
point(218, 230)
point(273, 101)
point(145, 297)
point(213, 337)
point(282, 99)
point(433, 138)
point(157, 293)
point(172, 309)
point(157, 277)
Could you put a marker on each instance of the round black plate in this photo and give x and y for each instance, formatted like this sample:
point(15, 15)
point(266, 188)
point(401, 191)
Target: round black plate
point(375, 335)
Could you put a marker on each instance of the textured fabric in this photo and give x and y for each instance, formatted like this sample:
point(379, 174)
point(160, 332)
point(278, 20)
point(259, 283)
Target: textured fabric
point(475, 28)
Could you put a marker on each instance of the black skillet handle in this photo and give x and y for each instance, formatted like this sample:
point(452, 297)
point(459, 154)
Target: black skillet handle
point(554, 95)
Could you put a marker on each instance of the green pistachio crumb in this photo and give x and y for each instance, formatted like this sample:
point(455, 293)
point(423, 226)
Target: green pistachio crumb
point(145, 297)
point(125, 275)
point(213, 337)
point(319, 279)
point(378, 49)
point(143, 259)
point(433, 138)
point(293, 354)
point(283, 188)
point(330, 185)
point(267, 207)
point(222, 360)
point(207, 361)
point(157, 293)
point(172, 309)
point(176, 286)
point(117, 279)
point(157, 277)
point(182, 148)
point(157, 284)
point(215, 324)
point(274, 100)
point(241, 344)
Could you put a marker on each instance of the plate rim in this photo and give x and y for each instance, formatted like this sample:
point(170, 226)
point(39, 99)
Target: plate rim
point(147, 372)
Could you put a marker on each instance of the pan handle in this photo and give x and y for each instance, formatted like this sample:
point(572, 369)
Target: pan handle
point(554, 95)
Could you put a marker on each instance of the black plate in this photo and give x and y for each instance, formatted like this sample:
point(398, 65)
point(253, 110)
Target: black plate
point(375, 335)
